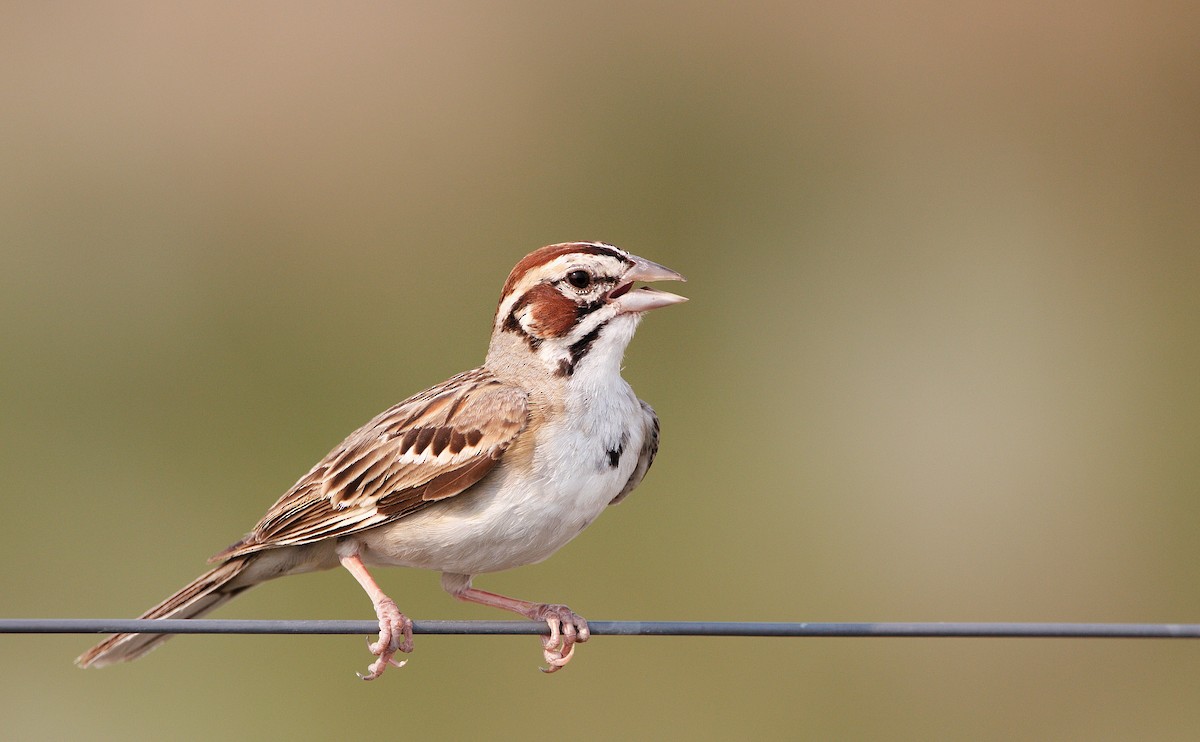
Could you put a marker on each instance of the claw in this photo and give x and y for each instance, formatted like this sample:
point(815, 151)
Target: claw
point(378, 666)
point(375, 647)
point(393, 626)
point(566, 627)
point(566, 630)
point(557, 661)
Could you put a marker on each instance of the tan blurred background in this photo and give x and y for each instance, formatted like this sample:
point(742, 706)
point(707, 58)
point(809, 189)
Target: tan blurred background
point(941, 360)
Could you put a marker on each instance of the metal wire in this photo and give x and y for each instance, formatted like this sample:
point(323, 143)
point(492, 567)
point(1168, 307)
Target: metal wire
point(610, 628)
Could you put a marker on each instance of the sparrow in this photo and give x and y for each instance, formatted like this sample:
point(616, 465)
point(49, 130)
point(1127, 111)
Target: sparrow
point(494, 468)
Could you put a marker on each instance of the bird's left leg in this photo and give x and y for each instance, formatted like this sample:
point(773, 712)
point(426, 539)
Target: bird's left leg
point(395, 628)
point(567, 628)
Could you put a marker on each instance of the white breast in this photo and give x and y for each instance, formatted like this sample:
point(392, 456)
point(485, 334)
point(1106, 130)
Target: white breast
point(582, 460)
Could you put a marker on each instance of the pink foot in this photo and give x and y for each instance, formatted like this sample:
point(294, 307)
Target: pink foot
point(566, 630)
point(395, 635)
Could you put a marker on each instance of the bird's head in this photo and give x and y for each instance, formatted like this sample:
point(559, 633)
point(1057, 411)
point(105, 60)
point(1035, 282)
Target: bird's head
point(575, 304)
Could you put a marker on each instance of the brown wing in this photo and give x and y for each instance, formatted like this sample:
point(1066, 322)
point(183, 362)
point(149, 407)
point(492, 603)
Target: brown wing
point(646, 456)
point(428, 447)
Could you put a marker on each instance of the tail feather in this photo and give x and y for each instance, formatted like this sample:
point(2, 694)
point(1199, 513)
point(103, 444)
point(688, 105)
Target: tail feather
point(211, 589)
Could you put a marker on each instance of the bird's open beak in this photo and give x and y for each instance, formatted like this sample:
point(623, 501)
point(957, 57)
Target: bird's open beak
point(645, 298)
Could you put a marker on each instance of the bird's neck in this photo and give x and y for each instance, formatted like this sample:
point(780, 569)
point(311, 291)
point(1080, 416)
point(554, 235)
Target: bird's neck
point(589, 358)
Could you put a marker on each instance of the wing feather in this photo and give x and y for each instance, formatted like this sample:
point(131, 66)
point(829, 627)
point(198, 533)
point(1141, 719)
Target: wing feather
point(429, 447)
point(647, 454)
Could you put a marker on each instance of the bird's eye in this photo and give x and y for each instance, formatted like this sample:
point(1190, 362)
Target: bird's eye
point(579, 279)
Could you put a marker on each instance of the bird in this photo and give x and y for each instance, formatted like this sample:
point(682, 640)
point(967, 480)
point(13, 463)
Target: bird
point(495, 468)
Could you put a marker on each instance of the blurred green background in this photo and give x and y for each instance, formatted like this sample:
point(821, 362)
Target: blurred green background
point(941, 360)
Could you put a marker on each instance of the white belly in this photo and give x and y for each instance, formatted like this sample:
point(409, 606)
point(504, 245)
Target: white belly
point(515, 518)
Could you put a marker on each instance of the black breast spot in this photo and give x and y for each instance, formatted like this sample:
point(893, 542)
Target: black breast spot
point(614, 454)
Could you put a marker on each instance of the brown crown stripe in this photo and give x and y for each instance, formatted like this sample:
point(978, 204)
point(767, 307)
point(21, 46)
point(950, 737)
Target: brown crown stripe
point(544, 255)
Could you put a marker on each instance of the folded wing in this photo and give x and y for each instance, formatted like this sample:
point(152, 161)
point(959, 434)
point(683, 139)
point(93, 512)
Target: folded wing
point(429, 447)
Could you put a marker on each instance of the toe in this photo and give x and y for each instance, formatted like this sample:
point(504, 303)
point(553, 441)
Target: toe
point(374, 670)
point(567, 629)
point(557, 661)
point(553, 642)
point(395, 635)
